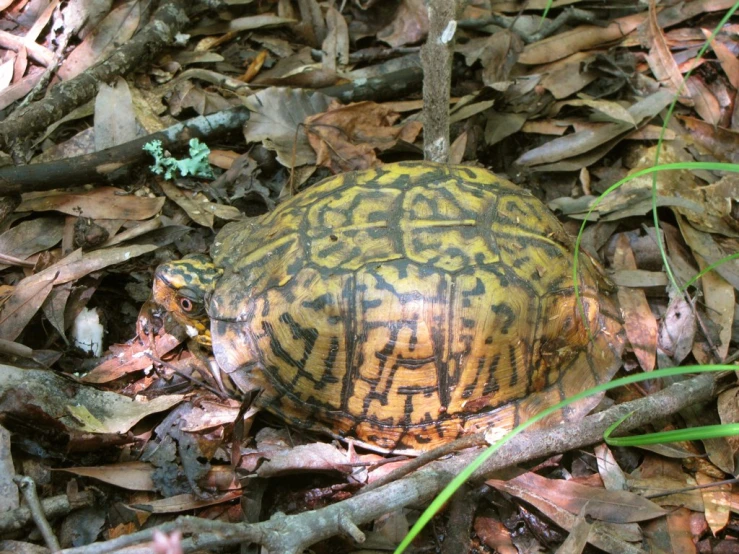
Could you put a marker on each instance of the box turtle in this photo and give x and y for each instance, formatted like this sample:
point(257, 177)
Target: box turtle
point(401, 307)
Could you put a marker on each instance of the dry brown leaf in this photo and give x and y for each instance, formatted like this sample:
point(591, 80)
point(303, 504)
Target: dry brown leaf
point(570, 146)
point(208, 414)
point(678, 530)
point(610, 506)
point(18, 90)
point(614, 538)
point(186, 94)
point(720, 298)
point(247, 23)
point(30, 237)
point(317, 456)
point(115, 121)
point(6, 73)
point(497, 53)
point(608, 469)
point(639, 321)
point(608, 110)
point(116, 29)
point(277, 122)
point(336, 44)
point(727, 59)
point(704, 101)
point(676, 332)
point(711, 251)
point(565, 77)
point(184, 502)
point(100, 203)
point(495, 535)
point(134, 476)
point(254, 67)
point(26, 300)
point(127, 358)
point(410, 24)
point(457, 149)
point(660, 59)
point(345, 137)
point(80, 408)
point(717, 502)
point(586, 37)
point(577, 539)
point(189, 202)
point(728, 411)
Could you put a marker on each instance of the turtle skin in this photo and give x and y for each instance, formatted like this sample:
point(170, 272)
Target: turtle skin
point(405, 306)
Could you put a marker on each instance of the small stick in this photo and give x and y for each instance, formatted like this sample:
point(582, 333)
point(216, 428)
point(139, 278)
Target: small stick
point(28, 489)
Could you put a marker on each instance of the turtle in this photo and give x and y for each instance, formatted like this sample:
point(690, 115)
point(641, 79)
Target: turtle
point(402, 307)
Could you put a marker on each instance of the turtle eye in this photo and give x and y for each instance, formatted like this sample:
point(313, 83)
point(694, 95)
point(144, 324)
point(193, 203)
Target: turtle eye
point(186, 304)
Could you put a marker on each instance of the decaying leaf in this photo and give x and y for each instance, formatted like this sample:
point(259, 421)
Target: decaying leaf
point(641, 325)
point(605, 505)
point(345, 137)
point(676, 332)
point(54, 395)
point(277, 122)
point(99, 203)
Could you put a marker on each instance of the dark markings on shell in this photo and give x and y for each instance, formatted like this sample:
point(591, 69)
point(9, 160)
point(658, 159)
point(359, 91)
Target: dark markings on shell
point(509, 316)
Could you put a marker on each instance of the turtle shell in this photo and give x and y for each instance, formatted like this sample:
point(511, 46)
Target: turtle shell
point(407, 305)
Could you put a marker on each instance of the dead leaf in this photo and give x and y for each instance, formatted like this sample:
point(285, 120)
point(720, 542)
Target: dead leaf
point(336, 44)
point(639, 321)
point(126, 359)
point(99, 411)
point(345, 137)
point(117, 28)
point(247, 23)
point(495, 535)
point(578, 143)
point(660, 59)
point(134, 476)
point(728, 411)
point(26, 300)
point(100, 203)
point(676, 332)
point(726, 58)
point(609, 506)
point(184, 502)
point(608, 469)
point(189, 203)
point(317, 456)
point(115, 121)
point(30, 237)
point(680, 539)
point(719, 297)
point(410, 24)
point(277, 122)
point(717, 502)
point(209, 414)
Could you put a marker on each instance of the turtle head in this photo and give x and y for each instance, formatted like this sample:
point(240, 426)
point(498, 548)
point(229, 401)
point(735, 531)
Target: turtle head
point(182, 287)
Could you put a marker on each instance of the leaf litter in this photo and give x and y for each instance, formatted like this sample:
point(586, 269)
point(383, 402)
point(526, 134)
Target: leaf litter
point(574, 113)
